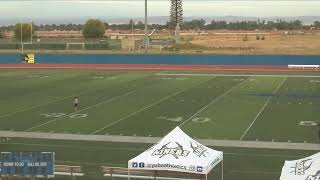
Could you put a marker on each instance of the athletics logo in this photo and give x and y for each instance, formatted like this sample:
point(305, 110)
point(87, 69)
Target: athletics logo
point(198, 150)
point(174, 151)
point(301, 167)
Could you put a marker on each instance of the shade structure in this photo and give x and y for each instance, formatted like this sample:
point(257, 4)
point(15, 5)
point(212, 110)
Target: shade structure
point(302, 169)
point(177, 152)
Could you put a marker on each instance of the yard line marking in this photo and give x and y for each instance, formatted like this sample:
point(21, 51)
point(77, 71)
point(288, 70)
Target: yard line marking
point(238, 75)
point(39, 105)
point(262, 109)
point(47, 103)
point(212, 102)
point(144, 108)
point(89, 107)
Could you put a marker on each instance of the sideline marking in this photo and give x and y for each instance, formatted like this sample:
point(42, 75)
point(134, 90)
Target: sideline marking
point(212, 102)
point(144, 108)
point(262, 109)
point(152, 140)
point(89, 107)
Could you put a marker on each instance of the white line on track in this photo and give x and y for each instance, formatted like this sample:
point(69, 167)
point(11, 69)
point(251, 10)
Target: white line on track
point(239, 75)
point(144, 108)
point(262, 109)
point(212, 102)
point(89, 107)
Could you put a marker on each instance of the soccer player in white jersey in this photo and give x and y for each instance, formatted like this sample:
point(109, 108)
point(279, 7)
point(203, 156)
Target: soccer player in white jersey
point(76, 103)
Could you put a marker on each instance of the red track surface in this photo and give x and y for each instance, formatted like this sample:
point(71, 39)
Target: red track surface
point(153, 67)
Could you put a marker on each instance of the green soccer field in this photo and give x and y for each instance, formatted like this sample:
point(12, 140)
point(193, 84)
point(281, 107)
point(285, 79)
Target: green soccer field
point(146, 103)
point(244, 106)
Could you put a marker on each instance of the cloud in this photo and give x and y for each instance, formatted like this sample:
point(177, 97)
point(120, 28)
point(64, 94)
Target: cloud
point(135, 8)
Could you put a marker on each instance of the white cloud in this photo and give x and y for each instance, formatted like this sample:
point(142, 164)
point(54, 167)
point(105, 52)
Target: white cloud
point(130, 8)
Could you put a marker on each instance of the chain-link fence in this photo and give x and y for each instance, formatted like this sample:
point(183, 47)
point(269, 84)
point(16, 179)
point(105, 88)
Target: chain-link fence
point(62, 44)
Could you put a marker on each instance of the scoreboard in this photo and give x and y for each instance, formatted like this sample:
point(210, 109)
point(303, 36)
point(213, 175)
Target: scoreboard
point(27, 164)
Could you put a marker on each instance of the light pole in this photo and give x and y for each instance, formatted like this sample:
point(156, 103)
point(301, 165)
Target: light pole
point(146, 38)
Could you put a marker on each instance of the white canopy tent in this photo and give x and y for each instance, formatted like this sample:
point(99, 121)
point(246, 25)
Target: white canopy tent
point(180, 153)
point(303, 169)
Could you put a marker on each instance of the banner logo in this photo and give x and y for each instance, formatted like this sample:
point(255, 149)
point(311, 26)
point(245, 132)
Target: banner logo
point(176, 151)
point(301, 167)
point(199, 169)
point(198, 150)
point(138, 165)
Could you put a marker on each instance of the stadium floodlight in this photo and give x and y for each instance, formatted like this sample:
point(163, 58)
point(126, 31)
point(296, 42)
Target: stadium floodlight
point(31, 32)
point(146, 37)
point(21, 36)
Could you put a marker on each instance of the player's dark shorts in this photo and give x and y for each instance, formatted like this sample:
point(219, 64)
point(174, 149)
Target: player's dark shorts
point(75, 105)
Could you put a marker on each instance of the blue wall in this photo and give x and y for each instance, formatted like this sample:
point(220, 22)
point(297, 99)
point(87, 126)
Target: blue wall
point(165, 59)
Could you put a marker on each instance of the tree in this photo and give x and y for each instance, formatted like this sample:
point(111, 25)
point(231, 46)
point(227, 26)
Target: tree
point(26, 31)
point(194, 24)
point(1, 35)
point(316, 24)
point(176, 13)
point(93, 28)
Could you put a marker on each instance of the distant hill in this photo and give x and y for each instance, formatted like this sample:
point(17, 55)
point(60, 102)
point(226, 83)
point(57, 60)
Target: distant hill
point(158, 19)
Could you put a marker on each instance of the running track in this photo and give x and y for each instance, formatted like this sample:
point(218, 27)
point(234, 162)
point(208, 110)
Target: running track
point(153, 67)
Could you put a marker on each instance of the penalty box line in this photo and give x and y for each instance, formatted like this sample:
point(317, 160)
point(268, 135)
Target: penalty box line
point(89, 107)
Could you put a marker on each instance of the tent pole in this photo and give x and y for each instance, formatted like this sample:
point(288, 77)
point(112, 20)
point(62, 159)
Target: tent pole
point(206, 176)
point(222, 170)
point(128, 174)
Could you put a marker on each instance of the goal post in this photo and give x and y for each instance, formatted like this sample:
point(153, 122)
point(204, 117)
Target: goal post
point(79, 44)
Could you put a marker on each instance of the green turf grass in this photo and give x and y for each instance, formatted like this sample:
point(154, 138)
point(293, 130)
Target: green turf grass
point(143, 103)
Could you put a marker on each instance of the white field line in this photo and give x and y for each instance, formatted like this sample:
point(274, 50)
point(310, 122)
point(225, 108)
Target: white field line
point(212, 102)
point(144, 108)
point(142, 149)
point(89, 107)
point(262, 109)
point(237, 75)
point(152, 140)
point(44, 104)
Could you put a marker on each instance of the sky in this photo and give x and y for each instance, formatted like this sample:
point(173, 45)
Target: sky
point(135, 8)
